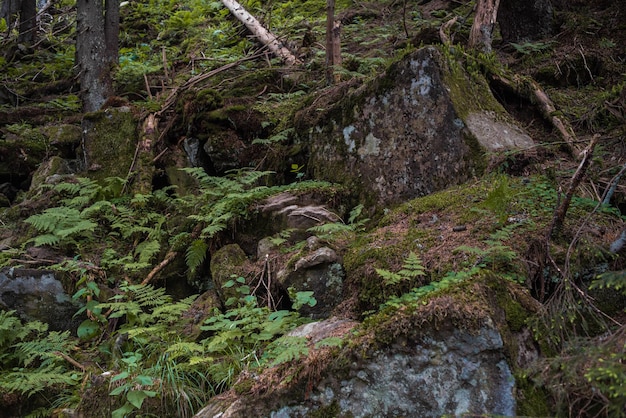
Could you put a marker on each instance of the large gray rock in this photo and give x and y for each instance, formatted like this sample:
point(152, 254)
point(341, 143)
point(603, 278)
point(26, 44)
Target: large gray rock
point(447, 372)
point(451, 373)
point(421, 127)
point(38, 295)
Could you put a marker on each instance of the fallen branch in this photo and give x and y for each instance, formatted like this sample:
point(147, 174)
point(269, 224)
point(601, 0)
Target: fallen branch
point(70, 360)
point(444, 30)
point(531, 90)
point(561, 211)
point(168, 259)
point(266, 37)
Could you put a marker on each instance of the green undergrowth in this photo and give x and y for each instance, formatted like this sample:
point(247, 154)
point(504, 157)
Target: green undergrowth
point(153, 365)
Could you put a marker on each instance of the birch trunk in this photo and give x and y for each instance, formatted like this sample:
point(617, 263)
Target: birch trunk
point(266, 37)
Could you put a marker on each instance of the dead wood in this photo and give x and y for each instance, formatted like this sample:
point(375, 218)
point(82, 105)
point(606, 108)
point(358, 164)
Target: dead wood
point(481, 33)
point(532, 91)
point(561, 210)
point(264, 36)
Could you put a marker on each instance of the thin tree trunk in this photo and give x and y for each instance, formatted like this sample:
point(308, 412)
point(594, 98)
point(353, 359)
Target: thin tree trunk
point(143, 165)
point(481, 33)
point(112, 29)
point(263, 35)
point(333, 43)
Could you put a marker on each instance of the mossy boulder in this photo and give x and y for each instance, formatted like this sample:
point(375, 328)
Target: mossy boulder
point(226, 262)
point(109, 142)
point(441, 355)
point(424, 125)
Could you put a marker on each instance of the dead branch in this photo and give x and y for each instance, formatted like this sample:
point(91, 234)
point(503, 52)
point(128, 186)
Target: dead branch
point(70, 360)
point(445, 28)
point(561, 211)
point(168, 259)
point(266, 37)
point(531, 90)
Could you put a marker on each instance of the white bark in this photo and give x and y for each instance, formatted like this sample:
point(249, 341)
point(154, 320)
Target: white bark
point(266, 37)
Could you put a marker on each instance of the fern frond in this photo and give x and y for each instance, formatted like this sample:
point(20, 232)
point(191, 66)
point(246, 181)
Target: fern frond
point(96, 208)
point(69, 188)
point(77, 228)
point(412, 266)
point(42, 349)
point(249, 177)
point(390, 278)
point(29, 382)
point(286, 349)
point(46, 239)
point(330, 228)
point(196, 254)
point(184, 349)
point(146, 250)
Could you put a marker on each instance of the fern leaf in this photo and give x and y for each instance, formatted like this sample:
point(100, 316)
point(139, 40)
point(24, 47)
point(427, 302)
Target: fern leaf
point(287, 349)
point(77, 228)
point(46, 239)
point(390, 278)
point(196, 254)
point(146, 250)
point(29, 382)
point(412, 267)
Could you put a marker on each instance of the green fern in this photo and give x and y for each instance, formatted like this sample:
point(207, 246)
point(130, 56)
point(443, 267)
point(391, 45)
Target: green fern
point(30, 382)
point(60, 225)
point(285, 349)
point(196, 254)
point(411, 269)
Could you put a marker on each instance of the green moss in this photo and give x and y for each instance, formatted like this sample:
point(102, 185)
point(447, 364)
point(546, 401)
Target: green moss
point(110, 142)
point(532, 401)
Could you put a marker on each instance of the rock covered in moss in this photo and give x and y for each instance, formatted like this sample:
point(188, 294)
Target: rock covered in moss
point(38, 295)
point(109, 142)
point(421, 127)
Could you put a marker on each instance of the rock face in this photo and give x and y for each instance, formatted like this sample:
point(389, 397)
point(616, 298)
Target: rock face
point(450, 371)
point(453, 372)
point(38, 295)
point(108, 143)
point(421, 127)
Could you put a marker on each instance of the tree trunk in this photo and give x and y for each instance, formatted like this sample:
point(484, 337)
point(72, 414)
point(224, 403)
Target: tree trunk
point(28, 22)
point(263, 35)
point(481, 33)
point(96, 49)
point(333, 43)
point(112, 29)
point(9, 11)
point(524, 21)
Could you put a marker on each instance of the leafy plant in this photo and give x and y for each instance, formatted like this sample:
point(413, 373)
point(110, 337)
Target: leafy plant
point(411, 270)
point(328, 230)
point(32, 358)
point(496, 256)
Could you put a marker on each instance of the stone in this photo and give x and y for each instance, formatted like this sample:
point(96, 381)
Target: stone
point(295, 212)
point(421, 127)
point(446, 372)
point(226, 262)
point(38, 295)
point(322, 273)
point(108, 143)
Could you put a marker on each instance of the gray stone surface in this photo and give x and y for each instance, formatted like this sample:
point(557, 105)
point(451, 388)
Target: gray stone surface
point(38, 295)
point(417, 129)
point(448, 372)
